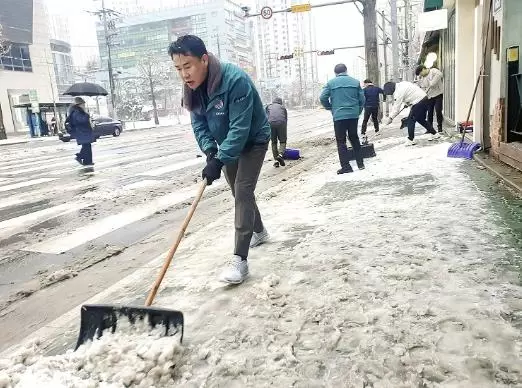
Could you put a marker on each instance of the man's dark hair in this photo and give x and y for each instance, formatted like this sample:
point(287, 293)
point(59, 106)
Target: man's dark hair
point(189, 45)
point(419, 69)
point(389, 88)
point(340, 68)
point(368, 81)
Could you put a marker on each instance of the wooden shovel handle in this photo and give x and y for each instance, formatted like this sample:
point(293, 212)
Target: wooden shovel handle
point(172, 251)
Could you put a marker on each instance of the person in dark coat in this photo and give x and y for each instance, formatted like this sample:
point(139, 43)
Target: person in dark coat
point(79, 123)
point(278, 119)
point(372, 103)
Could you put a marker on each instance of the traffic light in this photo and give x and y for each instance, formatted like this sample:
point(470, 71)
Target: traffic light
point(326, 52)
point(283, 57)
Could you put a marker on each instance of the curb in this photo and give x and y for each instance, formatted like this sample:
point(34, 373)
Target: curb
point(505, 179)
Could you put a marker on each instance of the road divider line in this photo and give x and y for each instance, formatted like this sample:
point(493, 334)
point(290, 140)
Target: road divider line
point(96, 229)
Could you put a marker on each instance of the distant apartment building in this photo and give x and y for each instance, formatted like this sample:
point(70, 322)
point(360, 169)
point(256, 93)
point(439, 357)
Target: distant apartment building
point(61, 53)
point(26, 70)
point(283, 34)
point(145, 31)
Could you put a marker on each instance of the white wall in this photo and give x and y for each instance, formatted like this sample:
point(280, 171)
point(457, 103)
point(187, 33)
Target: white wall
point(464, 57)
point(39, 80)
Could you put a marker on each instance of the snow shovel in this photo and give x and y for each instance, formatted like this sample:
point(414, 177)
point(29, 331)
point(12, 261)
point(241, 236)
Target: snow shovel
point(96, 318)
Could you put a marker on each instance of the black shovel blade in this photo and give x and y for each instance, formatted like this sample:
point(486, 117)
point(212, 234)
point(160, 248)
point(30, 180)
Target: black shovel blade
point(96, 318)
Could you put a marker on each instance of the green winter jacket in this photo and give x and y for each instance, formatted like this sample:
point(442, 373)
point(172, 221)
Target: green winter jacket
point(344, 96)
point(230, 116)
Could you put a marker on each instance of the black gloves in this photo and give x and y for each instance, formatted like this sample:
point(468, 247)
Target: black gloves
point(212, 170)
point(211, 153)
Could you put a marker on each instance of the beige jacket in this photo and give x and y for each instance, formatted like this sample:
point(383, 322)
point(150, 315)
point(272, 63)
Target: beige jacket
point(432, 84)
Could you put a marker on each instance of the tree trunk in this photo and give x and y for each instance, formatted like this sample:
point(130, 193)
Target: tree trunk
point(370, 41)
point(3, 135)
point(154, 106)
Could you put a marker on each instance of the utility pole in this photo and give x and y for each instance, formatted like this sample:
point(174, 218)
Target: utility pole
point(385, 56)
point(395, 40)
point(407, 12)
point(311, 58)
point(370, 40)
point(102, 13)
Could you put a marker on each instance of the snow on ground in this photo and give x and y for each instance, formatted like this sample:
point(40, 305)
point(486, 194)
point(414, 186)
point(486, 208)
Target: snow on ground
point(395, 276)
point(388, 277)
point(132, 357)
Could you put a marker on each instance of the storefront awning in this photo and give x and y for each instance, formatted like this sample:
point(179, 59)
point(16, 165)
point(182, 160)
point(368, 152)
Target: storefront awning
point(430, 5)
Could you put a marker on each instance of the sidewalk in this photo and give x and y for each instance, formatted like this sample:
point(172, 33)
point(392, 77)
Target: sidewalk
point(400, 275)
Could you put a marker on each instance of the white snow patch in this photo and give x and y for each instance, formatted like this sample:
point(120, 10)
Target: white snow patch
point(134, 356)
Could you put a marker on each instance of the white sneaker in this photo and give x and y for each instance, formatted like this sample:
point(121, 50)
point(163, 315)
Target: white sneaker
point(259, 238)
point(433, 136)
point(409, 143)
point(236, 271)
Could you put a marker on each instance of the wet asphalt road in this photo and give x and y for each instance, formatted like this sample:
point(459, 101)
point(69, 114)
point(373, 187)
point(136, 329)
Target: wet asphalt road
point(58, 218)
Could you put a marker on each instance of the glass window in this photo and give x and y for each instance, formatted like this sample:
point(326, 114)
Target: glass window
point(17, 58)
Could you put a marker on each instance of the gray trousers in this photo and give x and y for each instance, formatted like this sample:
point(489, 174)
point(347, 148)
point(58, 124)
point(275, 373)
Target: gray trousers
point(242, 178)
point(278, 132)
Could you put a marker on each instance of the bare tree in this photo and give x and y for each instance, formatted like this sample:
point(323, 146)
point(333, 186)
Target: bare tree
point(153, 73)
point(5, 46)
point(92, 65)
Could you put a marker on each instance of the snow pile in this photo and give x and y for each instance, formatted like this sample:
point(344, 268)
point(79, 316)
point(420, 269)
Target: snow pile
point(131, 357)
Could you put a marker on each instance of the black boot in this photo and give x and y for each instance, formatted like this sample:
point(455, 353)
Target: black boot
point(344, 170)
point(281, 160)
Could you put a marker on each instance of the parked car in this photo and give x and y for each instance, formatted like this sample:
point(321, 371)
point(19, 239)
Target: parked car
point(102, 126)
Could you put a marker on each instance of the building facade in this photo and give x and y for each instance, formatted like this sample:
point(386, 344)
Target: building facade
point(283, 34)
point(482, 41)
point(26, 70)
point(220, 23)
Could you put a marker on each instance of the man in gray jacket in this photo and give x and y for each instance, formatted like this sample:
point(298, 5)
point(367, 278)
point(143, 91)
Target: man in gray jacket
point(278, 119)
point(431, 82)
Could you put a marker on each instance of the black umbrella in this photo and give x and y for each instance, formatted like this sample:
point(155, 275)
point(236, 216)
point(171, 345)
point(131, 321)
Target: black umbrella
point(86, 89)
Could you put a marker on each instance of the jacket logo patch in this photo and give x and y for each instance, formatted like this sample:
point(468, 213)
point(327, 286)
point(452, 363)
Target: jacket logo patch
point(219, 104)
point(239, 99)
point(220, 113)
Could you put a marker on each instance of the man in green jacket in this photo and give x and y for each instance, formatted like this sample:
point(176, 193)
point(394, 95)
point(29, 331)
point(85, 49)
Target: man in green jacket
point(231, 128)
point(344, 96)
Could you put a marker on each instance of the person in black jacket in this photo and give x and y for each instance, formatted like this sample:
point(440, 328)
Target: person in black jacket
point(79, 123)
point(371, 105)
point(278, 119)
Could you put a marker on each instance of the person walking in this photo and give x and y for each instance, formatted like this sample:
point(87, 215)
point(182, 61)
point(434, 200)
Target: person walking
point(410, 94)
point(431, 81)
point(79, 123)
point(344, 96)
point(278, 119)
point(232, 129)
point(371, 106)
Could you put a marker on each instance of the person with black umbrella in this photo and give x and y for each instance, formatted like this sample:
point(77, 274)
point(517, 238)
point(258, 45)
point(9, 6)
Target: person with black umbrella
point(79, 123)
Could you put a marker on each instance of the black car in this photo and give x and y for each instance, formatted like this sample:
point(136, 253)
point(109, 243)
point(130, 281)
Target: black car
point(102, 126)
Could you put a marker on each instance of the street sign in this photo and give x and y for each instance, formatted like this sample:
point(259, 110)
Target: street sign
point(326, 52)
point(301, 8)
point(266, 13)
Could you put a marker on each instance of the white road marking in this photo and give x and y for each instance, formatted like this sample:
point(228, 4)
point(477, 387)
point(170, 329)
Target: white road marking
point(26, 184)
point(84, 234)
point(29, 196)
point(6, 202)
point(13, 225)
point(141, 184)
point(173, 167)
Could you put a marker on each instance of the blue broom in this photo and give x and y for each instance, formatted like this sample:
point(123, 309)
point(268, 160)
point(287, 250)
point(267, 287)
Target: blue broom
point(463, 149)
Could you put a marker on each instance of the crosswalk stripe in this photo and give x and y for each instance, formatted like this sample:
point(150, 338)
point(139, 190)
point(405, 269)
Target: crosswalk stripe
point(84, 234)
point(11, 226)
point(26, 184)
point(174, 167)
